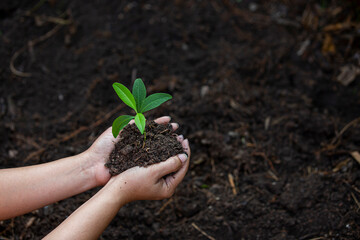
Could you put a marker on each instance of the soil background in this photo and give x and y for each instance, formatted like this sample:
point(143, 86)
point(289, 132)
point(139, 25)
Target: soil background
point(262, 89)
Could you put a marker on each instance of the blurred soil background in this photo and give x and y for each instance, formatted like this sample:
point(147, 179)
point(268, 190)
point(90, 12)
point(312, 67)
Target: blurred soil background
point(268, 93)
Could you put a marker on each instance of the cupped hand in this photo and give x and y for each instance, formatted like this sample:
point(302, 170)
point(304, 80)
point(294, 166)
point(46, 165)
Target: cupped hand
point(98, 154)
point(155, 182)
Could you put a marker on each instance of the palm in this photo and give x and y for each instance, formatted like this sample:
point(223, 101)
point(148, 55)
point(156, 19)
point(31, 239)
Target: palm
point(102, 148)
point(100, 151)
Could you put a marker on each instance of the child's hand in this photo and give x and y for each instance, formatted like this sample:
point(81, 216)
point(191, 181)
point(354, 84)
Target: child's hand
point(137, 183)
point(99, 152)
point(152, 182)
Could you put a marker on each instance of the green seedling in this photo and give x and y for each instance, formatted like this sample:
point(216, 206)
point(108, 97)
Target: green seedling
point(138, 101)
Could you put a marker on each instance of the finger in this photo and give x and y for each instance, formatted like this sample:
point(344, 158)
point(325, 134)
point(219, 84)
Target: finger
point(180, 138)
point(169, 166)
point(186, 147)
point(173, 181)
point(163, 120)
point(166, 120)
point(175, 126)
point(108, 134)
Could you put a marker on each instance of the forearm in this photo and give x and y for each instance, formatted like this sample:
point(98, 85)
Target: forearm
point(27, 188)
point(137, 183)
point(91, 219)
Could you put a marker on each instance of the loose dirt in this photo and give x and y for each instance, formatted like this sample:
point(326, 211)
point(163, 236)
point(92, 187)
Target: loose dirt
point(133, 150)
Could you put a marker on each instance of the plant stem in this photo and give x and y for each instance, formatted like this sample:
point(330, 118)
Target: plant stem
point(144, 139)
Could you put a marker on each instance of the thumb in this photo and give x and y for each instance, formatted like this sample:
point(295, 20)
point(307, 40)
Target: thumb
point(170, 165)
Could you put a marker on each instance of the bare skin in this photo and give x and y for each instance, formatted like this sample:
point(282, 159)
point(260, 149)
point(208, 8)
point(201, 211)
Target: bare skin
point(28, 188)
point(137, 183)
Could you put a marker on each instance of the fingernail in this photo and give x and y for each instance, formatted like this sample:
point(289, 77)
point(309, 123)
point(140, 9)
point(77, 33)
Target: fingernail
point(183, 157)
point(181, 137)
point(186, 142)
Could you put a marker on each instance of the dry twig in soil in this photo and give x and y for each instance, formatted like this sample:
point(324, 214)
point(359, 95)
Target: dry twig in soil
point(68, 136)
point(232, 183)
point(59, 23)
point(350, 124)
point(164, 206)
point(202, 231)
point(30, 45)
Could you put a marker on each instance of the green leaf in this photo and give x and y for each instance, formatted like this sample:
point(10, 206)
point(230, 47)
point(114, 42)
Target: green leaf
point(125, 95)
point(154, 100)
point(140, 122)
point(139, 92)
point(119, 123)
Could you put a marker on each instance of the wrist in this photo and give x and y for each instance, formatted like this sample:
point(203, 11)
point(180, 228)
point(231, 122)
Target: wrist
point(116, 191)
point(95, 168)
point(87, 168)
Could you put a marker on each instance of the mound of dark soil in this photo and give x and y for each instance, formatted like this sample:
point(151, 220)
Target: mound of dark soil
point(132, 150)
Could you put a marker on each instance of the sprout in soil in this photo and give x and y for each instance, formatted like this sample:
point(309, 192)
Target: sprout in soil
point(138, 101)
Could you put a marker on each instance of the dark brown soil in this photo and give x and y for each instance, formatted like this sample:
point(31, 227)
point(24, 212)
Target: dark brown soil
point(132, 150)
point(256, 90)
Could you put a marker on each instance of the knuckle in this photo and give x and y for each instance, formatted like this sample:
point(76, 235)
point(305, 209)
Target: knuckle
point(153, 172)
point(168, 191)
point(168, 194)
point(176, 161)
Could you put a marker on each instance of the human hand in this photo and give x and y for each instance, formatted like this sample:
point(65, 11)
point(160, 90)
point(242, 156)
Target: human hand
point(98, 154)
point(152, 182)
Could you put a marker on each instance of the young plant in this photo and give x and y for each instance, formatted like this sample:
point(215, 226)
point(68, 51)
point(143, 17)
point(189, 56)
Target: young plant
point(138, 101)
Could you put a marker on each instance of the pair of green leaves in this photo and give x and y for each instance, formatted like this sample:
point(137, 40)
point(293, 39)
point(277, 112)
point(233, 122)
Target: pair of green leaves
point(138, 101)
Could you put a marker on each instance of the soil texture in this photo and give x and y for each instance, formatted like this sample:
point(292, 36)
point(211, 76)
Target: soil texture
point(133, 150)
point(266, 91)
